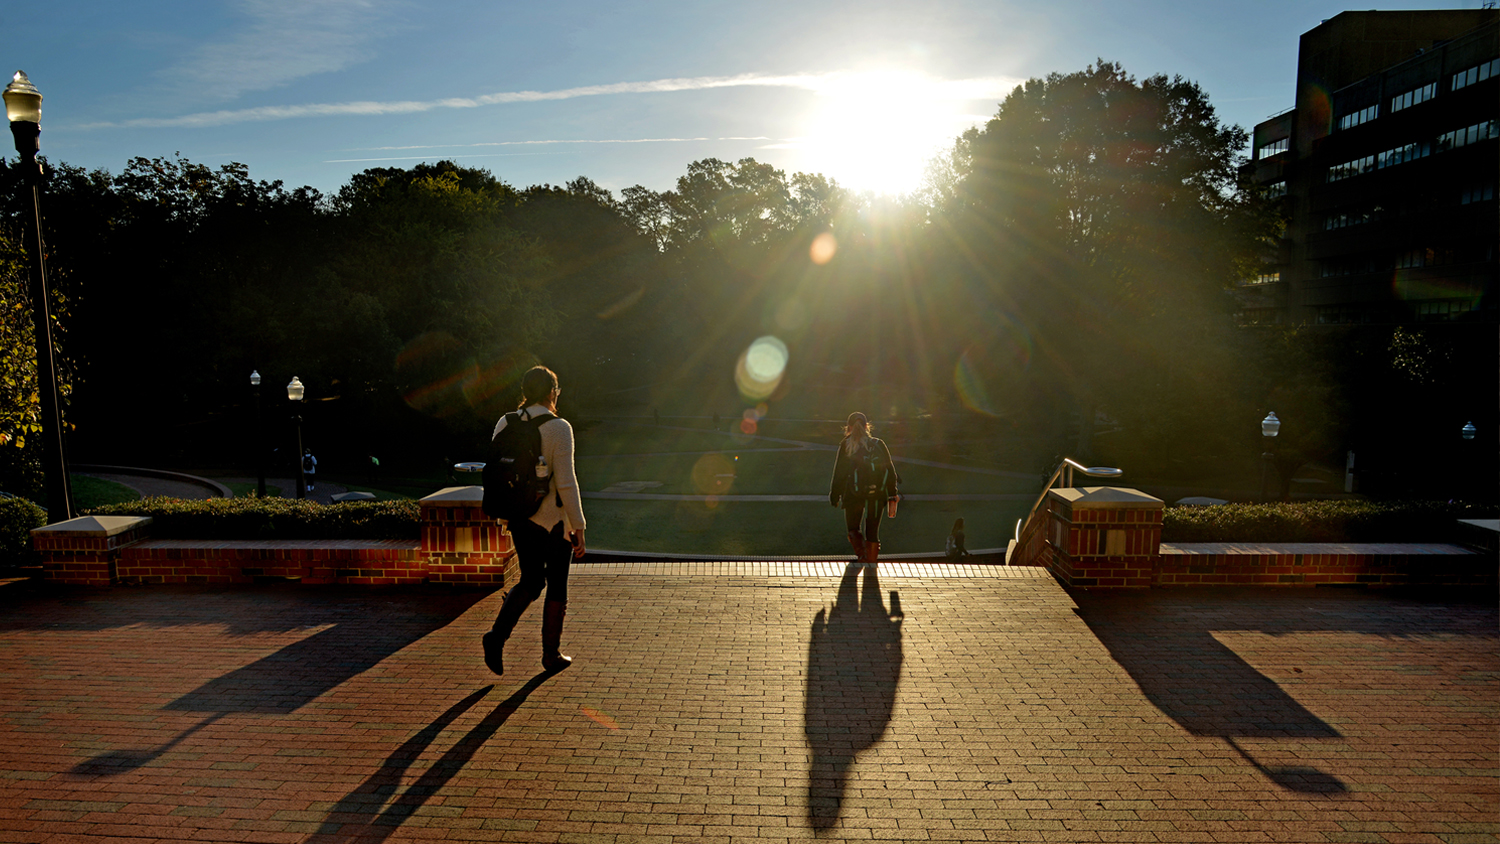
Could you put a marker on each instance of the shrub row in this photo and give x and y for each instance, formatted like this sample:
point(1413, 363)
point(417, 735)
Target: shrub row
point(1321, 521)
point(17, 517)
point(272, 518)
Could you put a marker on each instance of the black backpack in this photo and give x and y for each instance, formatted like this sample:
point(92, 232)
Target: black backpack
point(511, 488)
point(867, 475)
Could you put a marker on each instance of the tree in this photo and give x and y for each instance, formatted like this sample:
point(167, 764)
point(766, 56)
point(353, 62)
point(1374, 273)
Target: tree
point(1110, 215)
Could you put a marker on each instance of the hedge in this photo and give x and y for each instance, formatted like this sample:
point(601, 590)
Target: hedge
point(17, 517)
point(1343, 520)
point(272, 518)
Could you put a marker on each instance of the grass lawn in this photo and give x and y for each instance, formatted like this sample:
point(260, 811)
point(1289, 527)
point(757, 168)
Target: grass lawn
point(89, 492)
point(789, 528)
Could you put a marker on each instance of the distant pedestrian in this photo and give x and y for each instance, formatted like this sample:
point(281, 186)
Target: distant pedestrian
point(309, 467)
point(547, 543)
point(956, 549)
point(864, 480)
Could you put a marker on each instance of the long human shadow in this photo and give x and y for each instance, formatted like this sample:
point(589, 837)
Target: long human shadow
point(853, 669)
point(1201, 684)
point(367, 813)
point(364, 631)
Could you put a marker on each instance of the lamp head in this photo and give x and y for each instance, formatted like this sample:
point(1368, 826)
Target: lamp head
point(254, 378)
point(1470, 431)
point(295, 391)
point(1270, 426)
point(23, 102)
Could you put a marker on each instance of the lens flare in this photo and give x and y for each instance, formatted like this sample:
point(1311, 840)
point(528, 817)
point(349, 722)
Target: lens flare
point(824, 246)
point(435, 375)
point(713, 474)
point(761, 368)
point(989, 372)
point(603, 719)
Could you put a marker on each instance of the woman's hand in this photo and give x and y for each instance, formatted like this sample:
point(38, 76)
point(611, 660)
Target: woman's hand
point(833, 499)
point(576, 537)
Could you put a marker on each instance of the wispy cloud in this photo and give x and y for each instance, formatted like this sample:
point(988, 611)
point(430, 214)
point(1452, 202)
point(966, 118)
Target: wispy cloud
point(284, 40)
point(554, 142)
point(825, 83)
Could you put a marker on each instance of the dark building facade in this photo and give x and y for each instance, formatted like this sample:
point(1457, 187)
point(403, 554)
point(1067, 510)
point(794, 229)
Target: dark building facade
point(1388, 165)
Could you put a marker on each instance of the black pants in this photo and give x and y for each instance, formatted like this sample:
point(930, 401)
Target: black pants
point(545, 558)
point(870, 511)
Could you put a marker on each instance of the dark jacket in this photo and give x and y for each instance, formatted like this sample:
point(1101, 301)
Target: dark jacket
point(843, 473)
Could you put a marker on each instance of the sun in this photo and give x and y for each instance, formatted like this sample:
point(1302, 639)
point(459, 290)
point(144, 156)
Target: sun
point(876, 130)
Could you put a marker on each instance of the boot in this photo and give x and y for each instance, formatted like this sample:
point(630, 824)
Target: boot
point(552, 622)
point(494, 641)
point(872, 552)
point(857, 542)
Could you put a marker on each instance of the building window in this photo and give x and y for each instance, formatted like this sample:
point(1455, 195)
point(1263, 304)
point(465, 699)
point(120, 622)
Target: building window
point(1443, 310)
point(1358, 216)
point(1413, 258)
point(1477, 193)
point(1355, 118)
point(1260, 316)
point(1276, 190)
point(1413, 97)
point(1350, 169)
point(1468, 135)
point(1269, 149)
point(1478, 73)
point(1265, 278)
point(1342, 315)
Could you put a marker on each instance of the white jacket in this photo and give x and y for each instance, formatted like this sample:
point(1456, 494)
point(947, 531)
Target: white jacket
point(557, 447)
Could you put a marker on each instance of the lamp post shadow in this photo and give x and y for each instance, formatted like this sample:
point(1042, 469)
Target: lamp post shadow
point(372, 811)
point(853, 670)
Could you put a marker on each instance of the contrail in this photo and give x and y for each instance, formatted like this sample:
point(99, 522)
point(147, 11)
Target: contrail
point(826, 82)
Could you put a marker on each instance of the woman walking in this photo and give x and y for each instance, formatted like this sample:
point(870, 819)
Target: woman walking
point(864, 481)
point(547, 542)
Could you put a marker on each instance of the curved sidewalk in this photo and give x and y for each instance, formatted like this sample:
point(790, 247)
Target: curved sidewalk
point(750, 704)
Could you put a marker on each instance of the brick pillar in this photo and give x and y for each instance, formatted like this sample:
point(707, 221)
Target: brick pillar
point(86, 550)
point(461, 543)
point(1107, 537)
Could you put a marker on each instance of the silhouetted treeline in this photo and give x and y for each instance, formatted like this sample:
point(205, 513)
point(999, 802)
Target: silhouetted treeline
point(1068, 261)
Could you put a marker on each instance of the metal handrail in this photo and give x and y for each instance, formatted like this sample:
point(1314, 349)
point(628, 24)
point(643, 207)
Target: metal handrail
point(1065, 471)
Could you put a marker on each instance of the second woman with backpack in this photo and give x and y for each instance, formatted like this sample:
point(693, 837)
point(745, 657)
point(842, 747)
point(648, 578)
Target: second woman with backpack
point(864, 484)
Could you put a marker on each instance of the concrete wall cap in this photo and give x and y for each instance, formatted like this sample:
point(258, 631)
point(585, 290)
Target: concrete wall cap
point(92, 526)
point(1107, 498)
point(455, 496)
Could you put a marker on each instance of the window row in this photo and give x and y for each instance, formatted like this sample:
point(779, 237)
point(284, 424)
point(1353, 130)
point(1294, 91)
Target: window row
point(1271, 148)
point(1413, 151)
point(1413, 97)
point(1377, 262)
point(1462, 79)
point(1468, 135)
point(1435, 310)
point(1476, 74)
point(1265, 278)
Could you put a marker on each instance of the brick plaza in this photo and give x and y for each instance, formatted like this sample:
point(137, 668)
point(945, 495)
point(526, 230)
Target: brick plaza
point(751, 702)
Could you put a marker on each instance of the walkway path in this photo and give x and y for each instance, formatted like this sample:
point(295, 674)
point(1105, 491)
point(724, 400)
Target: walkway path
point(750, 704)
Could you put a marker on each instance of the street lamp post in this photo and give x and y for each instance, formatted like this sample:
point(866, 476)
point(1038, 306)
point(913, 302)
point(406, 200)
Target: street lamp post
point(23, 107)
point(294, 393)
point(260, 440)
point(1269, 428)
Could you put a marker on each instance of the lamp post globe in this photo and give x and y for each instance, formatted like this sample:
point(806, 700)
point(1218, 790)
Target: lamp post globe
point(1269, 428)
point(1469, 431)
point(259, 440)
point(23, 107)
point(295, 393)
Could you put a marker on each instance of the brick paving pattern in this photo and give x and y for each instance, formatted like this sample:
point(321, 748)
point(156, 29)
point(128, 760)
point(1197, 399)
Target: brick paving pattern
point(751, 702)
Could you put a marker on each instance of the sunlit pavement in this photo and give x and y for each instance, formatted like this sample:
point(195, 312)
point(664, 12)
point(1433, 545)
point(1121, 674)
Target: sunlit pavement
point(759, 702)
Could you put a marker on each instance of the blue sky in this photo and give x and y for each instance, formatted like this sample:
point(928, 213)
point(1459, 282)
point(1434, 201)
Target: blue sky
point(311, 91)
